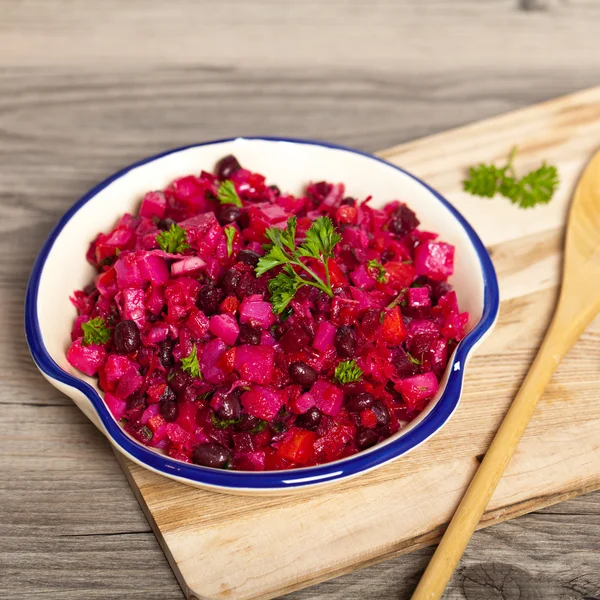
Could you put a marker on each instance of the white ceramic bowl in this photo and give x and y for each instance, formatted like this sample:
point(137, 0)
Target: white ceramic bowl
point(61, 268)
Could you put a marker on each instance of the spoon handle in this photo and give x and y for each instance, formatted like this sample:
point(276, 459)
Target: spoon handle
point(469, 512)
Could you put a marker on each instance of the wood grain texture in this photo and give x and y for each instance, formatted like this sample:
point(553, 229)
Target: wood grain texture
point(574, 312)
point(88, 87)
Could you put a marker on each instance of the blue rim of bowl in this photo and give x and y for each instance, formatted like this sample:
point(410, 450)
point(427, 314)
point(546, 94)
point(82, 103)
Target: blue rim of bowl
point(265, 480)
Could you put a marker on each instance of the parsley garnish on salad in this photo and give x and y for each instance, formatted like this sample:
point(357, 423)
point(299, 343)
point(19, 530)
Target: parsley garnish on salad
point(174, 240)
point(320, 240)
point(95, 331)
point(227, 194)
point(190, 363)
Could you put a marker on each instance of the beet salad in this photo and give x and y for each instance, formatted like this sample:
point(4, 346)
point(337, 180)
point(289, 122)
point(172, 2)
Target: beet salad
point(236, 326)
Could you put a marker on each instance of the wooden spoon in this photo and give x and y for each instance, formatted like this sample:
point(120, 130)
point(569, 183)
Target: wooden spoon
point(578, 304)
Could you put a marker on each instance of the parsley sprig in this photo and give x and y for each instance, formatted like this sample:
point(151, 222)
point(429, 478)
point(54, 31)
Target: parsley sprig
point(537, 187)
point(190, 363)
point(347, 372)
point(174, 240)
point(381, 274)
point(95, 331)
point(229, 232)
point(321, 238)
point(227, 194)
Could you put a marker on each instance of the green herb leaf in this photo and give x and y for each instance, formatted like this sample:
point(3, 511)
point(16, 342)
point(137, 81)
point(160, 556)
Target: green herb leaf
point(223, 423)
point(320, 239)
point(286, 313)
point(277, 426)
point(145, 433)
point(283, 237)
point(484, 180)
point(282, 251)
point(273, 258)
point(260, 426)
point(283, 288)
point(229, 232)
point(347, 372)
point(413, 360)
point(174, 240)
point(399, 299)
point(190, 363)
point(537, 187)
point(227, 194)
point(381, 275)
point(95, 331)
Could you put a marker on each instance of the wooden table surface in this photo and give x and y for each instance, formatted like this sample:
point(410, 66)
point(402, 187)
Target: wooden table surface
point(86, 88)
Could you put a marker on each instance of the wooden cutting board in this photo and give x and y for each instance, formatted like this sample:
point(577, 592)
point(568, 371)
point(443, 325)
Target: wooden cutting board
point(231, 547)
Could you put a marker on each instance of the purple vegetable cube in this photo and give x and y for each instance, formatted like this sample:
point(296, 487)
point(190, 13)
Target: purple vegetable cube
point(434, 260)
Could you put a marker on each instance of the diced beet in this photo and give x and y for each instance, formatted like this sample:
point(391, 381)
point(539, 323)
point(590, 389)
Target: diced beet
point(242, 442)
point(106, 247)
point(157, 334)
point(224, 327)
point(251, 461)
point(418, 297)
point(324, 337)
point(302, 403)
point(132, 305)
point(256, 312)
point(128, 272)
point(158, 426)
point(186, 416)
point(331, 445)
point(294, 339)
point(106, 283)
point(116, 366)
point(88, 359)
point(434, 260)
point(130, 382)
point(189, 264)
point(255, 363)
point(328, 397)
point(153, 268)
point(154, 204)
point(454, 326)
point(155, 299)
point(197, 323)
point(418, 388)
point(149, 413)
point(362, 279)
point(262, 402)
point(210, 357)
point(439, 356)
point(116, 406)
point(177, 434)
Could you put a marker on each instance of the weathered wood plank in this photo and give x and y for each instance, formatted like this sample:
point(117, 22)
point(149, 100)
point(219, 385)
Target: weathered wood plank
point(382, 35)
